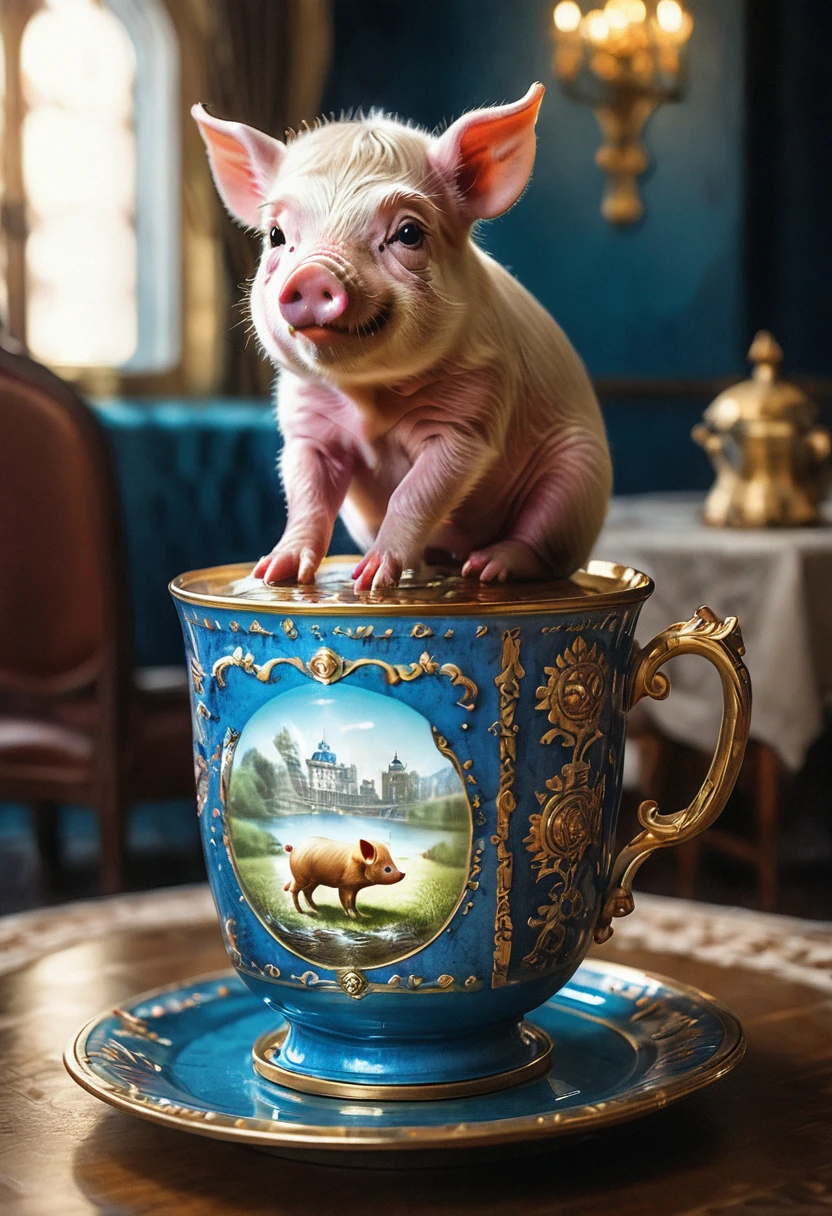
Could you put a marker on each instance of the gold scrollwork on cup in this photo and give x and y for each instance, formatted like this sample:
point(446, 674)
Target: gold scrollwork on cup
point(362, 633)
point(565, 828)
point(327, 667)
point(508, 684)
point(560, 838)
point(573, 698)
point(562, 835)
point(353, 982)
point(197, 674)
point(356, 985)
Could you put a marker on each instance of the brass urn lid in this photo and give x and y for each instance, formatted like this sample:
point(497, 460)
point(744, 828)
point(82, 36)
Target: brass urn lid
point(431, 592)
point(765, 396)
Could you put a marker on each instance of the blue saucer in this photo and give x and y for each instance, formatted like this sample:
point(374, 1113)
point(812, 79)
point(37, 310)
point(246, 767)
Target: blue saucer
point(625, 1043)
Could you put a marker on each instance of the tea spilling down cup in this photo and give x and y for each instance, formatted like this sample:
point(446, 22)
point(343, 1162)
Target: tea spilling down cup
point(408, 803)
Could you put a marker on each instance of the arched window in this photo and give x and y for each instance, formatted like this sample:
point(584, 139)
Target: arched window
point(93, 242)
point(79, 175)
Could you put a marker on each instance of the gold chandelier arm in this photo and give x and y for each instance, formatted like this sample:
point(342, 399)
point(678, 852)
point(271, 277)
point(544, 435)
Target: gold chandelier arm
point(721, 643)
point(623, 156)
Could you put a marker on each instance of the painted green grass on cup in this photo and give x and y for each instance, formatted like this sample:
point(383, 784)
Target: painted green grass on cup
point(396, 919)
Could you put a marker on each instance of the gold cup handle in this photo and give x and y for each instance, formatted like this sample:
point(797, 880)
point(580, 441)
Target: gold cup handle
point(721, 643)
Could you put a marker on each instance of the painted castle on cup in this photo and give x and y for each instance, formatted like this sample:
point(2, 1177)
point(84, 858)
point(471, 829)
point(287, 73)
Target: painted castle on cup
point(331, 783)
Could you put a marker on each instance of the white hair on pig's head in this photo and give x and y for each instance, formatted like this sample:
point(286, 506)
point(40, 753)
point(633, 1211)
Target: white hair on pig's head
point(368, 268)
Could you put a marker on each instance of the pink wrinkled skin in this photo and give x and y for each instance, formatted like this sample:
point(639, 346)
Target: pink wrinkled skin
point(423, 392)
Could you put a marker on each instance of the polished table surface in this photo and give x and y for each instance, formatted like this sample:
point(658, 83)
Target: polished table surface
point(759, 1141)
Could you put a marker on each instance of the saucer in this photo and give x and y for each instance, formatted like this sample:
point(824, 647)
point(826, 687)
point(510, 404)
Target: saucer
point(626, 1042)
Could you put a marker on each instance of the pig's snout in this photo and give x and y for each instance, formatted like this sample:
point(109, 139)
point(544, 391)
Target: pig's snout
point(312, 295)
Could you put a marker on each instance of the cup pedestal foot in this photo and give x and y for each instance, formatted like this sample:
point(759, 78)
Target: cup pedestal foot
point(388, 1070)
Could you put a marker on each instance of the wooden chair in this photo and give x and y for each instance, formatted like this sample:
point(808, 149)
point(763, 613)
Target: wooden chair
point(77, 723)
point(761, 783)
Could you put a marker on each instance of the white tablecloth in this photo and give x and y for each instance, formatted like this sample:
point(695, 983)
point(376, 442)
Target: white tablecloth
point(779, 584)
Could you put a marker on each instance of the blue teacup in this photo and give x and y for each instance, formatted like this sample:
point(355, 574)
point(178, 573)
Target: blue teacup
point(408, 804)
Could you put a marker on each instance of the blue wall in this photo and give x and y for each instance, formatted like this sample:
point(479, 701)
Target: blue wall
point(789, 176)
point(663, 298)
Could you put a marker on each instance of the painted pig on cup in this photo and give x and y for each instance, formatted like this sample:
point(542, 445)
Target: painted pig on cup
point(320, 862)
point(423, 392)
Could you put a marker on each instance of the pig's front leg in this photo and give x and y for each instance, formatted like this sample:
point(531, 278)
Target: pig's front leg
point(316, 480)
point(348, 904)
point(446, 467)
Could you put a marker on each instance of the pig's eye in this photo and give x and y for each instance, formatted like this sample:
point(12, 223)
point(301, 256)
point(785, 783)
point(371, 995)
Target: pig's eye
point(388, 869)
point(276, 237)
point(409, 234)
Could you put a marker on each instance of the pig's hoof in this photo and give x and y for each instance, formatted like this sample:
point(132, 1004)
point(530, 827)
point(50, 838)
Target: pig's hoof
point(504, 561)
point(377, 571)
point(288, 562)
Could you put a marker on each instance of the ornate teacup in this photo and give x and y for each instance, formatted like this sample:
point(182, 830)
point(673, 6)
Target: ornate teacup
point(408, 804)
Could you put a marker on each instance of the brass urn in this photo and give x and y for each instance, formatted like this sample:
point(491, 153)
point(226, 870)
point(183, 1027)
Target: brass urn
point(770, 453)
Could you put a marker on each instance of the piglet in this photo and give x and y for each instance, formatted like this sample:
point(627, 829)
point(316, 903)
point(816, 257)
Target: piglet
point(320, 862)
point(423, 392)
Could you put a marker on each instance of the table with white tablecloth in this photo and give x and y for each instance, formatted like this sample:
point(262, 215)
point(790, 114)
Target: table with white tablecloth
point(778, 582)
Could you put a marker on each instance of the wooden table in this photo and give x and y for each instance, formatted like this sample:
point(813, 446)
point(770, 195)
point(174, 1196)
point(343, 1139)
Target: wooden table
point(760, 1141)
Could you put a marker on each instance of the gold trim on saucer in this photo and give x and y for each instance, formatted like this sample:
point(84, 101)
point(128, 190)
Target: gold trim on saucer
point(430, 593)
point(267, 1133)
point(263, 1052)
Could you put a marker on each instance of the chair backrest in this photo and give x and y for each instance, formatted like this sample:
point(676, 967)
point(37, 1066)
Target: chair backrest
point(63, 608)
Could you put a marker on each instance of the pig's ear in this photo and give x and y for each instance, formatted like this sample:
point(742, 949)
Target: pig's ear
point(244, 163)
point(488, 155)
point(368, 850)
